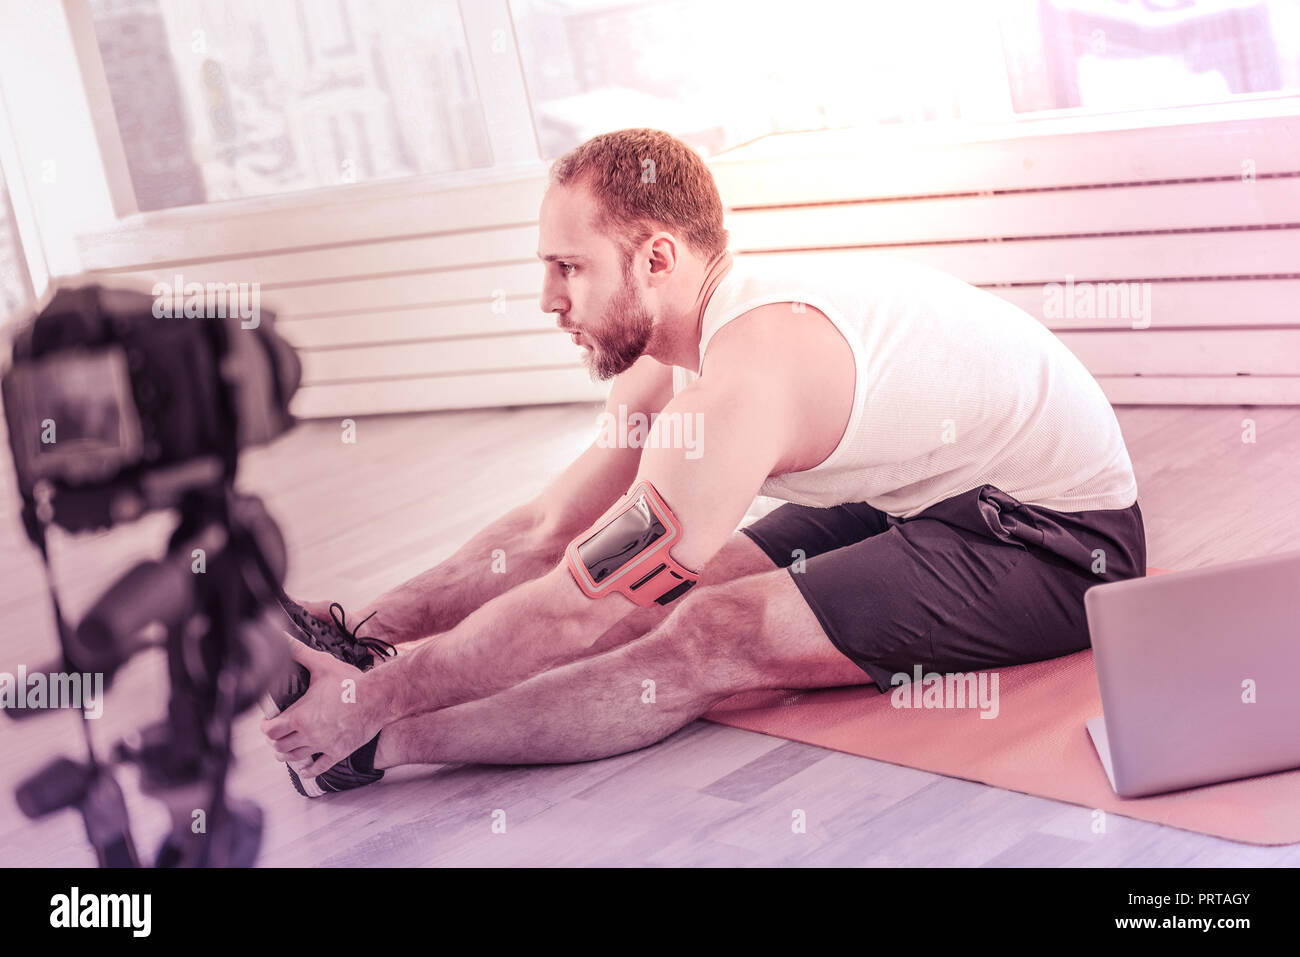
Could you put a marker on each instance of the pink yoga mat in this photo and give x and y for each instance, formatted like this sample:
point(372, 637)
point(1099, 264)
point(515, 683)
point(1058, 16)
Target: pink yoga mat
point(1036, 745)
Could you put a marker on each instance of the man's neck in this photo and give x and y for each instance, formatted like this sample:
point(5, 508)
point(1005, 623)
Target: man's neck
point(713, 275)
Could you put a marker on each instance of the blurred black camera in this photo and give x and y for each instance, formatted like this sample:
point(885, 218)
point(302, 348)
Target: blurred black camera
point(114, 410)
point(121, 411)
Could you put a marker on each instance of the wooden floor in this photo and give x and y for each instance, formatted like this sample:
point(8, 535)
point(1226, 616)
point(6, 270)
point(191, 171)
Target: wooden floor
point(359, 518)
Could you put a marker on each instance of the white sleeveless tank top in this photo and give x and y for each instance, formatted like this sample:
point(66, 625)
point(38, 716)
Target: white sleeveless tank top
point(955, 388)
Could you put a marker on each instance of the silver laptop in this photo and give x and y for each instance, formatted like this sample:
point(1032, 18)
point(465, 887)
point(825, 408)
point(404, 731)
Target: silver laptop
point(1199, 673)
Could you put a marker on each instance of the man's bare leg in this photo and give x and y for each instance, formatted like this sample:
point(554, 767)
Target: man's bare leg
point(754, 632)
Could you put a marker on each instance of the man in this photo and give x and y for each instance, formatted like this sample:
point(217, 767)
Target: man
point(955, 480)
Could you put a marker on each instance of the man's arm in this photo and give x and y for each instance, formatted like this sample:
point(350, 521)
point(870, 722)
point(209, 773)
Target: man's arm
point(532, 536)
point(742, 417)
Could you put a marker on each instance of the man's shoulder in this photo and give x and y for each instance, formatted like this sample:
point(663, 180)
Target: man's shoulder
point(793, 365)
point(777, 337)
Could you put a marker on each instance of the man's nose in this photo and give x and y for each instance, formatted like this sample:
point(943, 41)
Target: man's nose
point(553, 299)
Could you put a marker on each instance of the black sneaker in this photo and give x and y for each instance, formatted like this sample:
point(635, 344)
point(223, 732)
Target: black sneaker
point(332, 637)
point(357, 769)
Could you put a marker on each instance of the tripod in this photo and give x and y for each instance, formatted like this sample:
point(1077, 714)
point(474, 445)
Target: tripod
point(213, 593)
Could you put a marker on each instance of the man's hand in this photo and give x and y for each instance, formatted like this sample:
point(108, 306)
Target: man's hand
point(334, 718)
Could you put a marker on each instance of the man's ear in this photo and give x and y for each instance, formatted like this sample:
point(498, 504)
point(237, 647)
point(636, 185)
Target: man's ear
point(663, 258)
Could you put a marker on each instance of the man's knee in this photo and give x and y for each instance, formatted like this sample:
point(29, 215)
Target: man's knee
point(758, 632)
point(738, 558)
point(715, 630)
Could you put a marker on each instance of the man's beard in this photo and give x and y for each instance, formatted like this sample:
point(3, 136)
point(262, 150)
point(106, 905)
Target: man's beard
point(624, 335)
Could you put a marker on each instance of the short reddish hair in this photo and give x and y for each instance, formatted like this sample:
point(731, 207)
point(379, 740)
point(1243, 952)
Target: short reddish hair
point(645, 179)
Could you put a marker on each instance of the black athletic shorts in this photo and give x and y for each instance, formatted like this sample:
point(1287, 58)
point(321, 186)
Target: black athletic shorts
point(977, 581)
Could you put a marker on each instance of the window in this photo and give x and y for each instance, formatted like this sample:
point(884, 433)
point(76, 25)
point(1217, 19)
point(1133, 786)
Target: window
point(1133, 54)
point(221, 99)
point(717, 72)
